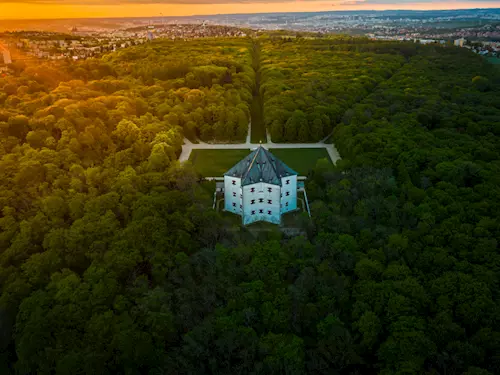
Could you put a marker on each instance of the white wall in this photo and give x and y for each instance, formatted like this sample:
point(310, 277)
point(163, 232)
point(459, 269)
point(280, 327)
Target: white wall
point(6, 57)
point(288, 202)
point(239, 199)
point(256, 206)
point(232, 195)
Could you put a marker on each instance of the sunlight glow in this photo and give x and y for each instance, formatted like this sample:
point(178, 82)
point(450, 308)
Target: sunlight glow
point(52, 10)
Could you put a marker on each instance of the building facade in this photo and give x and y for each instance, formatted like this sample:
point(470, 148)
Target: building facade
point(459, 42)
point(5, 55)
point(260, 188)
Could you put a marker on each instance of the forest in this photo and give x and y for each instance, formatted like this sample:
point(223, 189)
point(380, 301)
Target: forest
point(304, 97)
point(112, 261)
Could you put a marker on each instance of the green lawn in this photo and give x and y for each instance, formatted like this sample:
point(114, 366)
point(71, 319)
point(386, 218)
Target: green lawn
point(302, 160)
point(214, 163)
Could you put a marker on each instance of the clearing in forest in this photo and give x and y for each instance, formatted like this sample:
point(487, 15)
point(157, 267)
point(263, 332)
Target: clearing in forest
point(302, 160)
point(214, 163)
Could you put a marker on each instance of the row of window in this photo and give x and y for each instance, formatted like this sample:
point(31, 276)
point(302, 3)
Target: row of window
point(268, 189)
point(261, 199)
point(234, 205)
point(261, 212)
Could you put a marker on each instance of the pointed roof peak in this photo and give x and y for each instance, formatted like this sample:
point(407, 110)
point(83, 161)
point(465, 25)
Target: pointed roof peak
point(260, 166)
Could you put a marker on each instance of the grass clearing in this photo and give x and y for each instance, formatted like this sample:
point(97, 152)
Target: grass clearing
point(214, 163)
point(302, 160)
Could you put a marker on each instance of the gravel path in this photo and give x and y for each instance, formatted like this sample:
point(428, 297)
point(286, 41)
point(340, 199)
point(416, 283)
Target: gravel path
point(189, 146)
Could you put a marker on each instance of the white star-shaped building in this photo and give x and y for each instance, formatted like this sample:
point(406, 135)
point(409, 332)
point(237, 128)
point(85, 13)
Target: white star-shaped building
point(260, 188)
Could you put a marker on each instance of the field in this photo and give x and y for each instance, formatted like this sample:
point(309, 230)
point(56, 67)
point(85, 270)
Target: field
point(214, 163)
point(302, 160)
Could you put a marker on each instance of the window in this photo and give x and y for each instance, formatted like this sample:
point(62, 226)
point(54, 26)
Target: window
point(252, 190)
point(286, 204)
point(270, 190)
point(269, 212)
point(287, 193)
point(234, 182)
point(253, 201)
point(253, 212)
point(288, 182)
point(269, 201)
point(241, 206)
point(234, 194)
point(234, 204)
point(261, 211)
point(261, 200)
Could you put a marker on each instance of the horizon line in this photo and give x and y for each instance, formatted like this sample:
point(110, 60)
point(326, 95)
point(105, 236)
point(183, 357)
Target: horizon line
point(239, 14)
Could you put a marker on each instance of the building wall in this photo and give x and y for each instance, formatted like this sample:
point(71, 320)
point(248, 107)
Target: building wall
point(6, 56)
point(232, 195)
point(261, 202)
point(288, 194)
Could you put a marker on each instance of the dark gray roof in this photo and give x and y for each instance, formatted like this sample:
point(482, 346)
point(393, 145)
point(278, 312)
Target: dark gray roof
point(260, 166)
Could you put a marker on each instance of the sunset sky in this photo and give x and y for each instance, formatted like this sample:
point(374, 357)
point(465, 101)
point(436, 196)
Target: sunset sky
point(27, 9)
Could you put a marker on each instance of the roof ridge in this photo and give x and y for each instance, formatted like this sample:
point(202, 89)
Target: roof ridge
point(254, 168)
point(250, 165)
point(273, 164)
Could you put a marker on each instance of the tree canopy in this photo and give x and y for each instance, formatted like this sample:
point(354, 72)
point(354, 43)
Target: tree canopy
point(113, 262)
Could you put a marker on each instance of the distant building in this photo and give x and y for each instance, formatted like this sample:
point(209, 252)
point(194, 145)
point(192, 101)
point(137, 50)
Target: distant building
point(426, 41)
point(150, 35)
point(6, 55)
point(459, 42)
point(260, 188)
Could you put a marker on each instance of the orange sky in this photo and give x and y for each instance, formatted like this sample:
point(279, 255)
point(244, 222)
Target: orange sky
point(23, 10)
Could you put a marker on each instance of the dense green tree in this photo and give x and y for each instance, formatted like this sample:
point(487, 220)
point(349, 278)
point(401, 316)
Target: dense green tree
point(111, 260)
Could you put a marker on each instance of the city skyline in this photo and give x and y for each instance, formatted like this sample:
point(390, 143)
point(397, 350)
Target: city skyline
point(136, 8)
